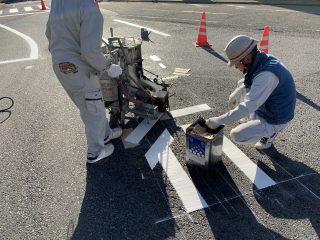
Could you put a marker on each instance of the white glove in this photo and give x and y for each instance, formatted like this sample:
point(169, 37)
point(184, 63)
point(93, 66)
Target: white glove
point(213, 123)
point(236, 96)
point(114, 71)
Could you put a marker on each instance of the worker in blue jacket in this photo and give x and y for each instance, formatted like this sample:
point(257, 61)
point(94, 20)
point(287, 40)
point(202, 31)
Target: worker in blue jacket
point(264, 101)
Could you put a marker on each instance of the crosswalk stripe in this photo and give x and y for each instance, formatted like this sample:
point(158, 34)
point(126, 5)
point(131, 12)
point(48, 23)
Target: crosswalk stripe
point(189, 110)
point(28, 9)
point(186, 190)
point(13, 10)
point(143, 128)
point(251, 170)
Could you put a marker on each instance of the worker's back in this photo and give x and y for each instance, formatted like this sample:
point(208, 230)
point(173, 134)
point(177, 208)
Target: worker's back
point(74, 31)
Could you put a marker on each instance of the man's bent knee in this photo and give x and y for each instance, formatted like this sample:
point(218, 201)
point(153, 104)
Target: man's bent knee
point(237, 136)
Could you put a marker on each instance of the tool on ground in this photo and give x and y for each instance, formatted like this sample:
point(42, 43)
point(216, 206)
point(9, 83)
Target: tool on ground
point(132, 92)
point(203, 145)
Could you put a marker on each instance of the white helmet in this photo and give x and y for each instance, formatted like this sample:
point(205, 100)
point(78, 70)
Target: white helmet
point(239, 47)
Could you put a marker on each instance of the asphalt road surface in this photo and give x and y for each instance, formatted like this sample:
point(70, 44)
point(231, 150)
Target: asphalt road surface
point(49, 192)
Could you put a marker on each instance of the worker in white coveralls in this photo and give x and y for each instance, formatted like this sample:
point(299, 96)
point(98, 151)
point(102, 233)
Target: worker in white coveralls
point(266, 97)
point(74, 30)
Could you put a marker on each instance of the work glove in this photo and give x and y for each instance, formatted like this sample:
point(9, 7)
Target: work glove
point(114, 71)
point(236, 96)
point(213, 123)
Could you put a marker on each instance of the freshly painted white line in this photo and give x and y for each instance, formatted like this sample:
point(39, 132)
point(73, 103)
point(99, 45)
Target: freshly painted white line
point(141, 130)
point(162, 66)
point(28, 9)
point(189, 110)
point(139, 26)
point(33, 46)
point(188, 193)
point(251, 170)
point(206, 13)
point(13, 10)
point(155, 58)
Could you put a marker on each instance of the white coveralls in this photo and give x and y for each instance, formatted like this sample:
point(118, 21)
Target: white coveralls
point(255, 128)
point(74, 30)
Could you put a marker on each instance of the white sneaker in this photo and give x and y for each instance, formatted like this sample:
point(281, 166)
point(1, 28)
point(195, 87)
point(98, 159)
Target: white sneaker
point(115, 133)
point(106, 152)
point(265, 142)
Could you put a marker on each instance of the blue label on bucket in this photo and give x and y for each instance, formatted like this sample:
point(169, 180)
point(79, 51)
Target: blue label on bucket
point(197, 147)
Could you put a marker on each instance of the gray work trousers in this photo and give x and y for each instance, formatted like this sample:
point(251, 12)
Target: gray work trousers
point(84, 90)
point(254, 129)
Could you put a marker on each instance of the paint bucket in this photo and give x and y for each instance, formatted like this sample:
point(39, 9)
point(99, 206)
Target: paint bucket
point(109, 87)
point(204, 149)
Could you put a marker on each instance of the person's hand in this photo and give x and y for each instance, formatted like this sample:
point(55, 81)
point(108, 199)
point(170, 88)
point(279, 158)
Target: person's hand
point(114, 71)
point(235, 97)
point(213, 123)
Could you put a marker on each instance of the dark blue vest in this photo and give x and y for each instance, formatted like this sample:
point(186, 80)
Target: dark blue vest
point(280, 105)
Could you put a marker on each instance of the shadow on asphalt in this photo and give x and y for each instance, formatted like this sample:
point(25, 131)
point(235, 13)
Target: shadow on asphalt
point(124, 198)
point(214, 53)
point(296, 198)
point(229, 215)
point(308, 101)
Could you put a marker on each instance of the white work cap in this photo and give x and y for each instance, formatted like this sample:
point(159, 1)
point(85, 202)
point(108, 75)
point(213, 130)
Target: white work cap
point(239, 47)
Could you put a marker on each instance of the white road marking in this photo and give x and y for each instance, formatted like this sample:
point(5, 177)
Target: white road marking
point(188, 193)
point(34, 52)
point(1, 12)
point(175, 19)
point(139, 26)
point(162, 66)
point(155, 58)
point(198, 5)
point(141, 130)
point(251, 170)
point(144, 127)
point(28, 9)
point(189, 110)
point(22, 14)
point(231, 5)
point(286, 10)
point(207, 13)
point(13, 10)
point(28, 67)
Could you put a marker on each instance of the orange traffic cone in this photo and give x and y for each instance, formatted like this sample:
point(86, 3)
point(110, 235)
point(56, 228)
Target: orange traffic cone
point(264, 43)
point(43, 6)
point(202, 36)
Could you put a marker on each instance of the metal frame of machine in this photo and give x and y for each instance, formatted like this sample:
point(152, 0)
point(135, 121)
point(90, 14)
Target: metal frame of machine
point(132, 92)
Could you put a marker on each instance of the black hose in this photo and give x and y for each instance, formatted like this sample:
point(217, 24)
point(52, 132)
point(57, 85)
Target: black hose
point(10, 105)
